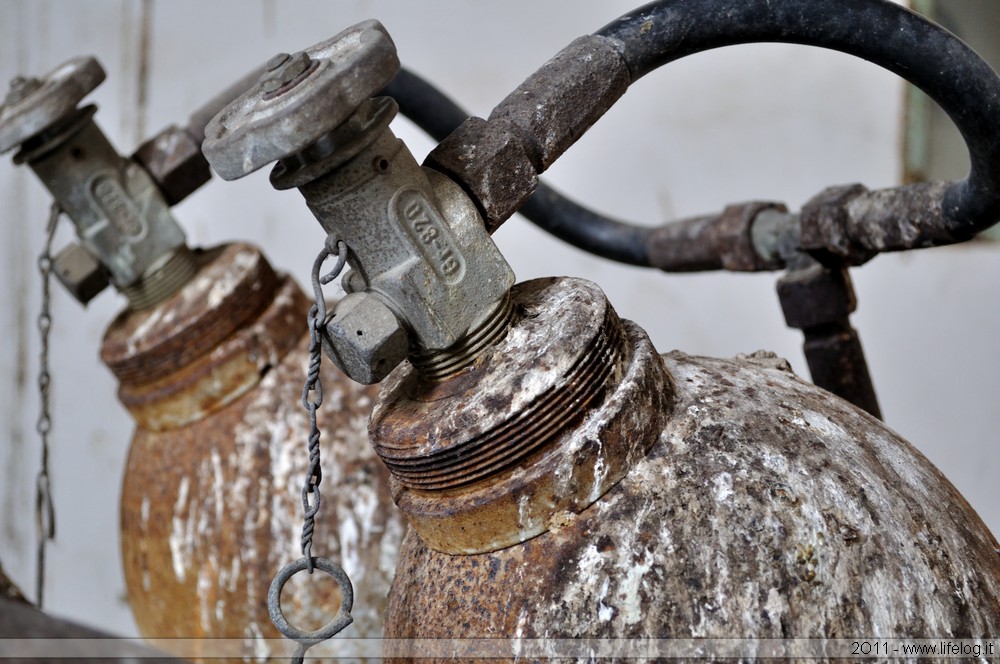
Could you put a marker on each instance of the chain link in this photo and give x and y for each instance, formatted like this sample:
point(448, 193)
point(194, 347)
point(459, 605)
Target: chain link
point(312, 391)
point(312, 399)
point(44, 512)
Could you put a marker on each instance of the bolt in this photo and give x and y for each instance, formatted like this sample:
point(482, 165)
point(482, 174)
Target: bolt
point(282, 69)
point(20, 88)
point(277, 61)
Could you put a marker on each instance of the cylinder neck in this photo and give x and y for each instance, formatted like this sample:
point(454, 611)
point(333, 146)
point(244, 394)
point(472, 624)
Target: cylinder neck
point(208, 343)
point(441, 365)
point(535, 426)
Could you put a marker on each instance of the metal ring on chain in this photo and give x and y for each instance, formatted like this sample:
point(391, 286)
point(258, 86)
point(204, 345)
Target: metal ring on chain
point(341, 620)
point(312, 398)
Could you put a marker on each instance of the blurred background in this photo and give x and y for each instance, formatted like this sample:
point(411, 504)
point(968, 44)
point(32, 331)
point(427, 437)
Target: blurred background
point(772, 122)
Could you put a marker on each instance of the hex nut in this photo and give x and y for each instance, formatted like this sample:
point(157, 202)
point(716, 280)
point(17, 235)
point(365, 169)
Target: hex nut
point(174, 160)
point(365, 339)
point(80, 273)
point(488, 159)
point(815, 296)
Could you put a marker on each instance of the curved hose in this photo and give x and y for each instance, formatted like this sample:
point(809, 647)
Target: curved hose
point(852, 224)
point(885, 33)
point(431, 110)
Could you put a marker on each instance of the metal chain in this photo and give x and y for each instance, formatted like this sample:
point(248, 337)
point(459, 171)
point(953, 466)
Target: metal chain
point(312, 399)
point(312, 391)
point(44, 512)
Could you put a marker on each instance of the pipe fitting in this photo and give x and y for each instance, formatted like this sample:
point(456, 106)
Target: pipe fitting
point(120, 215)
point(423, 265)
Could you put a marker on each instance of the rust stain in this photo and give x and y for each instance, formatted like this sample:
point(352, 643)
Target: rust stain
point(701, 539)
point(233, 285)
point(211, 505)
point(215, 379)
point(487, 462)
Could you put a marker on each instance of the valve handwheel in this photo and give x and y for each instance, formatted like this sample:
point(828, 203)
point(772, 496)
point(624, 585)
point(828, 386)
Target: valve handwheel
point(33, 105)
point(300, 99)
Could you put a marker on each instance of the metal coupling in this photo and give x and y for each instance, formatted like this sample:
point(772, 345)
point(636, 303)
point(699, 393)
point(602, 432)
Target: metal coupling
point(120, 215)
point(365, 336)
point(425, 275)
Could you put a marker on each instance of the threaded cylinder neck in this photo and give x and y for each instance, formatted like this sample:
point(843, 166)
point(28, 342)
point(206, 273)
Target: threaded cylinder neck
point(440, 365)
point(163, 281)
point(554, 366)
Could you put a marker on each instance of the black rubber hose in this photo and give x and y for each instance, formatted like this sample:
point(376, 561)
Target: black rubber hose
point(889, 35)
point(428, 108)
point(435, 113)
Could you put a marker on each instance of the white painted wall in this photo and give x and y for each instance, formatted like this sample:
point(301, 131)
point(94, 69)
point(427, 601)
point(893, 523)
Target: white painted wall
point(775, 122)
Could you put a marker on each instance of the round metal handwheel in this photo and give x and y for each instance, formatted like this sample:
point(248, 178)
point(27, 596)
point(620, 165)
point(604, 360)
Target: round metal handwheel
point(33, 105)
point(299, 99)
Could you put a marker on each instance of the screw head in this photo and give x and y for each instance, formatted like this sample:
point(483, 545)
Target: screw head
point(21, 87)
point(277, 61)
point(284, 71)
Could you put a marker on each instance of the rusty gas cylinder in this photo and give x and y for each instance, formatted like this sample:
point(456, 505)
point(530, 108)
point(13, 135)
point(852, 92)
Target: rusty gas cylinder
point(574, 483)
point(211, 505)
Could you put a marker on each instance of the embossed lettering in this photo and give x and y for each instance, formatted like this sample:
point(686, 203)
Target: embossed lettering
point(115, 205)
point(423, 223)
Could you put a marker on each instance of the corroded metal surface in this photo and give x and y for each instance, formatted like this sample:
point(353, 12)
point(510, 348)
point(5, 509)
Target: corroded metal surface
point(767, 509)
point(490, 163)
point(219, 377)
point(484, 460)
point(212, 510)
point(233, 285)
point(558, 103)
point(852, 224)
point(496, 161)
point(819, 301)
point(210, 504)
point(712, 242)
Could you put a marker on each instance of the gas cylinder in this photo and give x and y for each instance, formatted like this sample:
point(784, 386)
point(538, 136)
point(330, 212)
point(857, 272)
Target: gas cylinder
point(211, 355)
point(632, 495)
point(560, 477)
point(210, 505)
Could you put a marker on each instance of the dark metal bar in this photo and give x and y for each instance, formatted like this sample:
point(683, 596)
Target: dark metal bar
point(819, 301)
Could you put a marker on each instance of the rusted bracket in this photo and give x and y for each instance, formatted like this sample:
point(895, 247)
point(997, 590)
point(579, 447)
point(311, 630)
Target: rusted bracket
point(819, 301)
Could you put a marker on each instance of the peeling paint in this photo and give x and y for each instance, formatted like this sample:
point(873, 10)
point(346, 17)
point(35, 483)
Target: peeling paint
point(234, 518)
point(790, 514)
point(181, 534)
